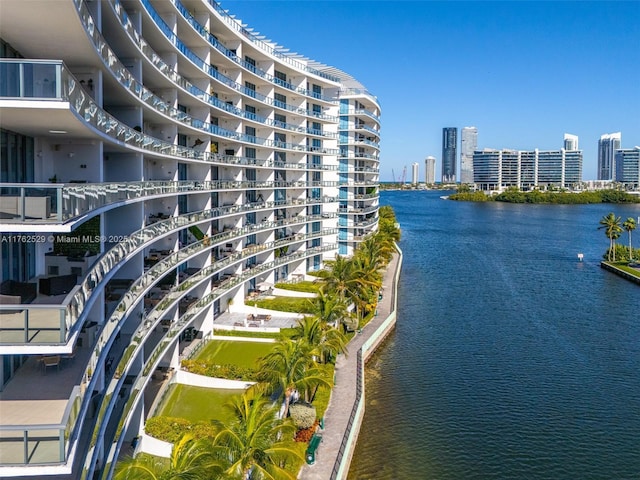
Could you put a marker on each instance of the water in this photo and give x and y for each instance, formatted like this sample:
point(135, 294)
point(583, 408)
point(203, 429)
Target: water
point(511, 359)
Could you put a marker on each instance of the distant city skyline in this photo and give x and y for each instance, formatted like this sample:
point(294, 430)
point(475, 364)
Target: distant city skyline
point(532, 71)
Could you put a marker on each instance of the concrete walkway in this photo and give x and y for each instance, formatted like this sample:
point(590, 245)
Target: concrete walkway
point(343, 395)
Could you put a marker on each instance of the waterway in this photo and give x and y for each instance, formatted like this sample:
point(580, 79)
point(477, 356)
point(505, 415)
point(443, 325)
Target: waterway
point(511, 359)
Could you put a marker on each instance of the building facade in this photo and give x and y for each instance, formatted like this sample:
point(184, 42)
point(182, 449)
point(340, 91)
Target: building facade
point(468, 145)
point(415, 173)
point(628, 167)
point(497, 170)
point(449, 154)
point(607, 146)
point(570, 142)
point(160, 162)
point(430, 170)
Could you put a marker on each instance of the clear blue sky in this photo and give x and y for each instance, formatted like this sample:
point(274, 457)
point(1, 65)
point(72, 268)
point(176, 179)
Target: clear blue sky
point(523, 73)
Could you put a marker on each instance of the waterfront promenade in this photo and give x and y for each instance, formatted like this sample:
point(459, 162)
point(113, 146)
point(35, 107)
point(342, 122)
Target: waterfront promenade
point(338, 416)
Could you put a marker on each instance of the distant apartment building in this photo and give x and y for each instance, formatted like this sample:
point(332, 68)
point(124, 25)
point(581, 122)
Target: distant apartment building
point(497, 170)
point(449, 154)
point(468, 145)
point(607, 146)
point(430, 170)
point(628, 167)
point(414, 173)
point(570, 142)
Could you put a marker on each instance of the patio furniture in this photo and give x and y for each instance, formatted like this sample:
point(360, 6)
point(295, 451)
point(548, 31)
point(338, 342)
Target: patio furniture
point(51, 361)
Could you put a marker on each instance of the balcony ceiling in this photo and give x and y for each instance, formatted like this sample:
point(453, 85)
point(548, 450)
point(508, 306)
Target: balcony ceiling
point(46, 29)
point(40, 120)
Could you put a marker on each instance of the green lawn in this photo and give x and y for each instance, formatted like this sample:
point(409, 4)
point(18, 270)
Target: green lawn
point(245, 354)
point(197, 403)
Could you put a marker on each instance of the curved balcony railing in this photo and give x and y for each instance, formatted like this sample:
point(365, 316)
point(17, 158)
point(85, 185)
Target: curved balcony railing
point(61, 85)
point(362, 127)
point(138, 90)
point(364, 196)
point(151, 277)
point(357, 211)
point(39, 324)
point(367, 156)
point(53, 324)
point(346, 110)
point(262, 45)
point(202, 65)
point(175, 78)
point(35, 203)
point(213, 41)
point(138, 342)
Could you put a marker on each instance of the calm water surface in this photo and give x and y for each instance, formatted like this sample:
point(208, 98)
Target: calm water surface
point(510, 360)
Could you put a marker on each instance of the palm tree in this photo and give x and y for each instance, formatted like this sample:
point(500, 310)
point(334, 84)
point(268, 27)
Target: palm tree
point(256, 444)
point(629, 225)
point(190, 459)
point(611, 225)
point(331, 309)
point(289, 366)
point(326, 342)
point(375, 250)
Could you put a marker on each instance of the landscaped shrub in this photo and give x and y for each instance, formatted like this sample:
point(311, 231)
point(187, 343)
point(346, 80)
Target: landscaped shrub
point(285, 304)
point(303, 415)
point(306, 286)
point(227, 370)
point(171, 429)
point(305, 434)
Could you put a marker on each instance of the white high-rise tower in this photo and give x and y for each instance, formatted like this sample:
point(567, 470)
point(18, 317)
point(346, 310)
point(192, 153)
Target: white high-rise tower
point(414, 173)
point(430, 170)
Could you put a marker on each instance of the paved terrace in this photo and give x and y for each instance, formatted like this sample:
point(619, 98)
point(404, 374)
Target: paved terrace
point(343, 396)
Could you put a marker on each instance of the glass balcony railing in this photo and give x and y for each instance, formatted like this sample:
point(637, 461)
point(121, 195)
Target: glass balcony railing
point(142, 378)
point(59, 203)
point(248, 66)
point(135, 294)
point(68, 89)
point(214, 73)
point(39, 324)
point(40, 444)
point(63, 202)
point(235, 25)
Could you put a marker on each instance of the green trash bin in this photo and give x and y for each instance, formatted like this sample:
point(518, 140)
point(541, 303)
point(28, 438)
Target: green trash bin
point(310, 454)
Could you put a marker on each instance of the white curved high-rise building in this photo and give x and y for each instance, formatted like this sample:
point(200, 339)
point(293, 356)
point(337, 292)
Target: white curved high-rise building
point(160, 161)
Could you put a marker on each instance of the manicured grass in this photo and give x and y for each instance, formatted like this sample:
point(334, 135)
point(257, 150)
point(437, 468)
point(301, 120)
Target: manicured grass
point(306, 286)
point(285, 304)
point(623, 266)
point(245, 354)
point(197, 403)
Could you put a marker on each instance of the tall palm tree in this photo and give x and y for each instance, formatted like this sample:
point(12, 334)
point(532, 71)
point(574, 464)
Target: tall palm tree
point(611, 225)
point(326, 342)
point(331, 309)
point(289, 366)
point(375, 250)
point(629, 225)
point(190, 459)
point(256, 444)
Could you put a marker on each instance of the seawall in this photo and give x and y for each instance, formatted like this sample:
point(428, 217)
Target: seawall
point(620, 272)
point(346, 406)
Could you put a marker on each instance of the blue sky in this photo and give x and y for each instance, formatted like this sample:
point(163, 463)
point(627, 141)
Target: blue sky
point(523, 73)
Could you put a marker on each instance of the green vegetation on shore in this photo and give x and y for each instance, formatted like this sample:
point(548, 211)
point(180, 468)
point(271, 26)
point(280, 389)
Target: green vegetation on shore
point(514, 195)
